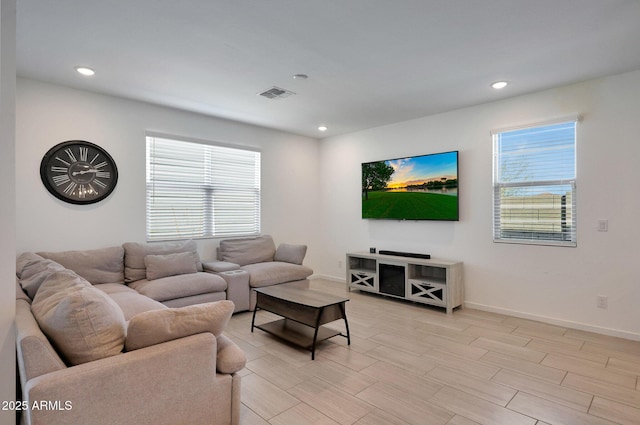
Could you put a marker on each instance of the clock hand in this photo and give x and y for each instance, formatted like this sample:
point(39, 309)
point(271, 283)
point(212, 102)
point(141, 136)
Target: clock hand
point(92, 170)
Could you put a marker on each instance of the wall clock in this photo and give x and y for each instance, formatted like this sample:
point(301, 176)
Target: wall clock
point(78, 172)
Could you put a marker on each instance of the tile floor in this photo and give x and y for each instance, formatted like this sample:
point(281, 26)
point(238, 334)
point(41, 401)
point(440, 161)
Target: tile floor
point(410, 364)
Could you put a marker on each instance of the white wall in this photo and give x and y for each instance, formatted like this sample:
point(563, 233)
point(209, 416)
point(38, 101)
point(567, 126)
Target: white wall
point(49, 114)
point(312, 193)
point(554, 284)
point(7, 206)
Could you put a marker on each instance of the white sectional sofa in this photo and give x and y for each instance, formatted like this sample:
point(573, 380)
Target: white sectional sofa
point(125, 335)
point(133, 334)
point(263, 263)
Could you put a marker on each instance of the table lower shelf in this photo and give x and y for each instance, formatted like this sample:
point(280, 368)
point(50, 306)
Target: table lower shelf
point(297, 333)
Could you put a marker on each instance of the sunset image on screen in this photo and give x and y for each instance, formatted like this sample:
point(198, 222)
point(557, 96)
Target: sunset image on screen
point(413, 188)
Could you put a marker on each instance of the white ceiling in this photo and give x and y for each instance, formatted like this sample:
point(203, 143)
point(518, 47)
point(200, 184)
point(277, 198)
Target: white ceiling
point(370, 62)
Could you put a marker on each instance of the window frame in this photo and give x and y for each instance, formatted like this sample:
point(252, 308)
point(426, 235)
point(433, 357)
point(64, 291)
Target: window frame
point(212, 185)
point(570, 206)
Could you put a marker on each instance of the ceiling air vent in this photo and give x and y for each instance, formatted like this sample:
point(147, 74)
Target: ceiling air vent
point(276, 93)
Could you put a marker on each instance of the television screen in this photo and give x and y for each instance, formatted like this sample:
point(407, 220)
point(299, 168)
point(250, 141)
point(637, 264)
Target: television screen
point(414, 188)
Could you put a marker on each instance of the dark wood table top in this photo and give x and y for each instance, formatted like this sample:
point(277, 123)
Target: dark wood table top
point(303, 296)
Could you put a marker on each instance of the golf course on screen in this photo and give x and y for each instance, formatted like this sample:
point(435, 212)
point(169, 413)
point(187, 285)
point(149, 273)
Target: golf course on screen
point(414, 188)
point(410, 206)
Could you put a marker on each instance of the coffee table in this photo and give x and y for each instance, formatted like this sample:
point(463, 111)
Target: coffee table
point(303, 311)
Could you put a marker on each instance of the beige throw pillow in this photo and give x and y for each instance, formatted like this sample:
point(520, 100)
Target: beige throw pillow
point(24, 260)
point(158, 326)
point(82, 322)
point(134, 254)
point(289, 253)
point(159, 266)
point(32, 272)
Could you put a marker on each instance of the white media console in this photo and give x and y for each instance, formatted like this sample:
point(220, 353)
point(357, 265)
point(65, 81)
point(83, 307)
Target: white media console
point(429, 281)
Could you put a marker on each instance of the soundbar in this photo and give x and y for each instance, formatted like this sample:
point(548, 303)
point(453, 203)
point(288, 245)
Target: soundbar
point(404, 254)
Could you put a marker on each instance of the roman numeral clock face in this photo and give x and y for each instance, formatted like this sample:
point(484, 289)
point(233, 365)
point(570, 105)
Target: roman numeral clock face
point(78, 172)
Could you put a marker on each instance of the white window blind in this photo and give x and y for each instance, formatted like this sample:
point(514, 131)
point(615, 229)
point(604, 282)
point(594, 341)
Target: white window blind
point(198, 190)
point(534, 184)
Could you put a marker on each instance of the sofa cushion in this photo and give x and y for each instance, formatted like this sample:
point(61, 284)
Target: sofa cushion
point(195, 299)
point(289, 253)
point(129, 301)
point(168, 288)
point(159, 266)
point(219, 266)
point(266, 274)
point(115, 288)
point(33, 271)
point(104, 265)
point(158, 326)
point(134, 254)
point(245, 251)
point(82, 322)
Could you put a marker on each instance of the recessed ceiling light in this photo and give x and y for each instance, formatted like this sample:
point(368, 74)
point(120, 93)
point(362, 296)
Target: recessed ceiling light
point(300, 76)
point(499, 85)
point(85, 71)
point(323, 128)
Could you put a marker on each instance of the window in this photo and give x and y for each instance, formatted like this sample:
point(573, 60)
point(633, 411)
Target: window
point(198, 190)
point(534, 184)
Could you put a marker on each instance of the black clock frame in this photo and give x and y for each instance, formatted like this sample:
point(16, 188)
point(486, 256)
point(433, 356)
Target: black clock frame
point(46, 173)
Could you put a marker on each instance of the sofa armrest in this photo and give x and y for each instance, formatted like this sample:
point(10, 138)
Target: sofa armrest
point(219, 266)
point(36, 355)
point(238, 289)
point(168, 383)
point(230, 357)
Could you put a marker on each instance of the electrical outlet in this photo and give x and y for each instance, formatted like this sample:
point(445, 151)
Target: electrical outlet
point(339, 264)
point(603, 302)
point(603, 225)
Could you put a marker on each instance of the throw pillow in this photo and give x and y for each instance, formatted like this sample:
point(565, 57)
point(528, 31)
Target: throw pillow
point(34, 271)
point(158, 326)
point(290, 253)
point(82, 322)
point(25, 259)
point(158, 266)
point(134, 254)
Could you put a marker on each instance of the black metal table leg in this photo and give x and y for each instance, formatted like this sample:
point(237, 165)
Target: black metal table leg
point(253, 320)
point(346, 323)
point(315, 334)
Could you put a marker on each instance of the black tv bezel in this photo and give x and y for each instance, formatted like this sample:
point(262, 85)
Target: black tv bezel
point(457, 152)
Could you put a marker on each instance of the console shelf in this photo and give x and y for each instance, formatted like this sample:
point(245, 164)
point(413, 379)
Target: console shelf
point(429, 281)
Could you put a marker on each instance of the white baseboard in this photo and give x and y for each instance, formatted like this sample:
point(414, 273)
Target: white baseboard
point(523, 315)
point(557, 322)
point(327, 277)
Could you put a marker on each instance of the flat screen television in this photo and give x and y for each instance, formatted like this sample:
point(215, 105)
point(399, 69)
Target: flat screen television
point(423, 187)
